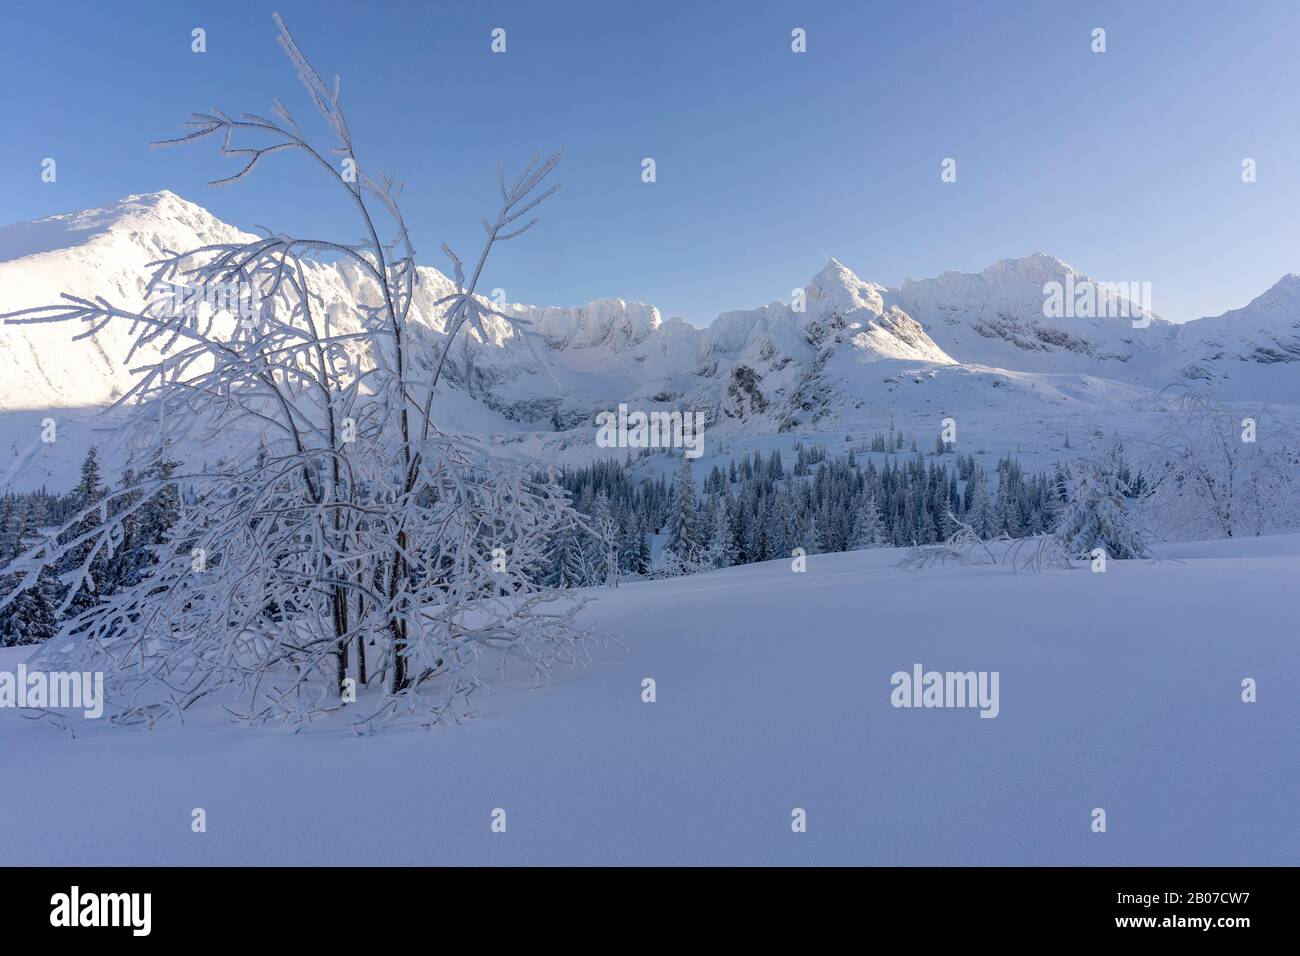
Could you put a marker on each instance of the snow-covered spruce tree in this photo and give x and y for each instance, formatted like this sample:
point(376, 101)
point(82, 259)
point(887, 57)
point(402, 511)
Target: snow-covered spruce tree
point(868, 526)
point(979, 513)
point(683, 536)
point(570, 565)
point(31, 617)
point(87, 569)
point(633, 555)
point(1098, 508)
point(12, 513)
point(722, 549)
point(346, 518)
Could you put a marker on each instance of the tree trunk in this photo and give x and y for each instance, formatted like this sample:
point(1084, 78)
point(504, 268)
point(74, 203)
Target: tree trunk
point(341, 628)
point(395, 624)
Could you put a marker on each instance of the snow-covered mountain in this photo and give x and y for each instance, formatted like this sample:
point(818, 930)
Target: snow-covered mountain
point(1265, 331)
point(851, 357)
point(996, 318)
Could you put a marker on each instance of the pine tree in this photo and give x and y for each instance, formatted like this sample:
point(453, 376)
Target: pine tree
point(810, 532)
point(779, 526)
point(774, 466)
point(31, 618)
point(683, 538)
point(752, 542)
point(722, 550)
point(643, 549)
point(979, 513)
point(630, 545)
point(868, 528)
point(89, 491)
point(91, 486)
point(1096, 513)
point(11, 528)
point(569, 568)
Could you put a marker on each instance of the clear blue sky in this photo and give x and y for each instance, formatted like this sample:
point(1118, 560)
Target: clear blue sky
point(1126, 164)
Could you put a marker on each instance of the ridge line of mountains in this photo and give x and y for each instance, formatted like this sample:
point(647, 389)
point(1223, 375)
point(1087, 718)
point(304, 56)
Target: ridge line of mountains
point(977, 343)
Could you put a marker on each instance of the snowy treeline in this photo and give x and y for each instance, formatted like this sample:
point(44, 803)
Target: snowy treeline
point(757, 509)
point(37, 509)
point(1209, 475)
point(34, 615)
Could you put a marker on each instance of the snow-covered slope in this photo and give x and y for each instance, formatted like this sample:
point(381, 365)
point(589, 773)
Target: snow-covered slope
point(1266, 331)
point(851, 357)
point(1118, 690)
point(996, 318)
point(96, 252)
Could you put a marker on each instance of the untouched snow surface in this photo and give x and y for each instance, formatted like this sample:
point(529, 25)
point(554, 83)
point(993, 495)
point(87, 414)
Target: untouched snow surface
point(1118, 690)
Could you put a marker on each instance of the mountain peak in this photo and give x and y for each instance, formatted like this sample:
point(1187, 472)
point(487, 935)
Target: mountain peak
point(837, 273)
point(1282, 299)
point(171, 219)
point(1036, 265)
point(156, 197)
point(837, 287)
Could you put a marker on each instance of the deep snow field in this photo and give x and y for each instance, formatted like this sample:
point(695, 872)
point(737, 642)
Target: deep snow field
point(1119, 690)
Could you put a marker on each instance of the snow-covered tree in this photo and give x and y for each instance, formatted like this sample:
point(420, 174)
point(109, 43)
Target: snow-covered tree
point(1098, 508)
point(868, 525)
point(683, 534)
point(722, 549)
point(810, 532)
point(605, 537)
point(11, 529)
point(31, 617)
point(85, 569)
point(349, 519)
point(633, 552)
point(1219, 472)
point(570, 567)
point(979, 513)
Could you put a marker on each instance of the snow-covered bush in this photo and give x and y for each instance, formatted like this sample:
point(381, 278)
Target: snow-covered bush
point(350, 543)
point(965, 546)
point(1037, 554)
point(1218, 473)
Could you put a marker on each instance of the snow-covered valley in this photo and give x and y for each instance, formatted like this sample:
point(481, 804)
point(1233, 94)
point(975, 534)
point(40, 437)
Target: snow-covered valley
point(1120, 691)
